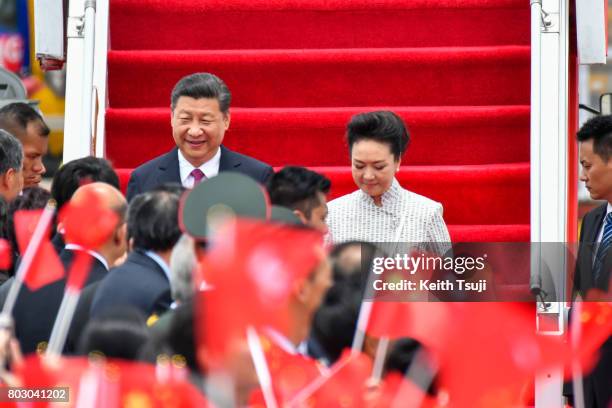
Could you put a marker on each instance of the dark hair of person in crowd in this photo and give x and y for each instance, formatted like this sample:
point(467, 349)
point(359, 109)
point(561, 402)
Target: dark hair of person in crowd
point(202, 85)
point(335, 321)
point(11, 152)
point(152, 219)
point(402, 355)
point(75, 173)
point(297, 188)
point(15, 118)
point(173, 336)
point(117, 333)
point(380, 126)
point(599, 129)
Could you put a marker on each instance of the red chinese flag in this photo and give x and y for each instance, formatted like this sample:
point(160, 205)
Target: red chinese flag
point(595, 327)
point(394, 389)
point(289, 372)
point(493, 352)
point(431, 323)
point(253, 269)
point(109, 383)
point(88, 222)
point(6, 254)
point(344, 386)
point(46, 266)
point(79, 271)
point(138, 385)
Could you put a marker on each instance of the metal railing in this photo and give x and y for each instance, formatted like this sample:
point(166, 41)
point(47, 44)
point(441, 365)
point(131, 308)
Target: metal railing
point(87, 32)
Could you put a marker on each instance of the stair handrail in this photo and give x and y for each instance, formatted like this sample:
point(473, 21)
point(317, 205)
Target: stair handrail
point(86, 72)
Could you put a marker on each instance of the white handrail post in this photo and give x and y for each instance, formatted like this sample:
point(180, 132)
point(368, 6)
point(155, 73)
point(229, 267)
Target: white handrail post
point(99, 74)
point(549, 174)
point(88, 68)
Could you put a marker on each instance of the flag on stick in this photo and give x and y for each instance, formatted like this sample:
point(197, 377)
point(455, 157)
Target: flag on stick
point(45, 266)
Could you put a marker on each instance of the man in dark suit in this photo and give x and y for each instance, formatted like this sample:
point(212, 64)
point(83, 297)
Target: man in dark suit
point(35, 311)
point(143, 280)
point(200, 117)
point(595, 255)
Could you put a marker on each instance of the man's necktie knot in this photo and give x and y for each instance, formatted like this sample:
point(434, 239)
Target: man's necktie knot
point(198, 176)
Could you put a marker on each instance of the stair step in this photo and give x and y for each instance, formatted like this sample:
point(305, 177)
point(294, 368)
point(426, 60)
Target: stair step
point(326, 78)
point(245, 24)
point(485, 194)
point(439, 135)
point(490, 233)
point(471, 195)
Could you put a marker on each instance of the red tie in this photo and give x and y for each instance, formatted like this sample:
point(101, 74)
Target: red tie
point(198, 176)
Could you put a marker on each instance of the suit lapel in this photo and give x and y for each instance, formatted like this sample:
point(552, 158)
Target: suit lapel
point(592, 228)
point(168, 170)
point(229, 161)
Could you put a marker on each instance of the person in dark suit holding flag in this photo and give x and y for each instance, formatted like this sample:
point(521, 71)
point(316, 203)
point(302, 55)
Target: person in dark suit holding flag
point(36, 309)
point(200, 117)
point(594, 261)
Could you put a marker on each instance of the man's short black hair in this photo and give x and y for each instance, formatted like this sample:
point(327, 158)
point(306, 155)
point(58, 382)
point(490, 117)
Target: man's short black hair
point(598, 129)
point(202, 85)
point(15, 117)
point(75, 173)
point(11, 153)
point(119, 332)
point(296, 188)
point(152, 220)
point(381, 126)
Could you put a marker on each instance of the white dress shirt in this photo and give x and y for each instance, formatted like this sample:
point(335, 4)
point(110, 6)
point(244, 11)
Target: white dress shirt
point(99, 257)
point(210, 168)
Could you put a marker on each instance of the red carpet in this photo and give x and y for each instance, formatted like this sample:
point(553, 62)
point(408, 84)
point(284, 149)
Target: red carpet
point(326, 78)
point(449, 135)
point(456, 71)
point(258, 24)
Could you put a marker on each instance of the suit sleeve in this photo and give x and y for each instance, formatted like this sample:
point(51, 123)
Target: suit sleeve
point(267, 173)
point(576, 289)
point(133, 188)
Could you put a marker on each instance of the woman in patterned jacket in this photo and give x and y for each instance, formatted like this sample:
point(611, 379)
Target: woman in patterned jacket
point(381, 210)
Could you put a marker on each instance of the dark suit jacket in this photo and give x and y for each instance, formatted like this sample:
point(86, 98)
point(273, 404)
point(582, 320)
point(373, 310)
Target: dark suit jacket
point(165, 169)
point(81, 317)
point(35, 311)
point(140, 283)
point(584, 275)
point(598, 383)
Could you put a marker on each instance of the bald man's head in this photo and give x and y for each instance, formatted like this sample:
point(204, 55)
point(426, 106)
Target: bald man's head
point(109, 196)
point(111, 199)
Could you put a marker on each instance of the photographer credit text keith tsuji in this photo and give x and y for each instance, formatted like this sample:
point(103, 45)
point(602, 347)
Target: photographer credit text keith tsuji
point(412, 265)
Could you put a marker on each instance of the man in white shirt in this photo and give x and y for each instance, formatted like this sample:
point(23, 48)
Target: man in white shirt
point(200, 117)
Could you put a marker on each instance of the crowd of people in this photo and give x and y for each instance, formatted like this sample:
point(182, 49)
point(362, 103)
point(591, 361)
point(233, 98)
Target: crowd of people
point(246, 278)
